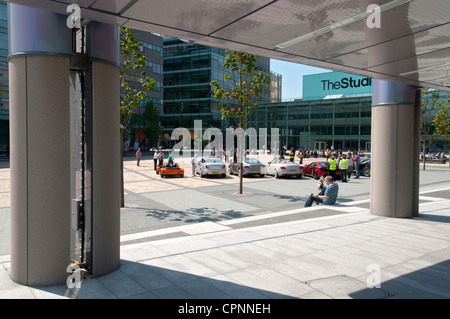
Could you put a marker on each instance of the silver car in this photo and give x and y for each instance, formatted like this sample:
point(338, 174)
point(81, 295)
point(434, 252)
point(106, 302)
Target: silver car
point(251, 166)
point(210, 166)
point(279, 168)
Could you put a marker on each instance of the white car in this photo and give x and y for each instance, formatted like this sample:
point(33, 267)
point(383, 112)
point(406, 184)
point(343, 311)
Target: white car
point(279, 168)
point(210, 166)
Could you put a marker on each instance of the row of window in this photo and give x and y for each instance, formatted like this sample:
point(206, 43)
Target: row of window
point(152, 47)
point(156, 67)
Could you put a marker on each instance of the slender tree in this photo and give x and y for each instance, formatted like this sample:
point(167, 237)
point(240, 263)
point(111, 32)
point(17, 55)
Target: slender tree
point(239, 97)
point(150, 124)
point(442, 121)
point(135, 85)
point(435, 118)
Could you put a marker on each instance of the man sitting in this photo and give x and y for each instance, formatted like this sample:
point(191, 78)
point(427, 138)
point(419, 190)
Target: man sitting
point(327, 195)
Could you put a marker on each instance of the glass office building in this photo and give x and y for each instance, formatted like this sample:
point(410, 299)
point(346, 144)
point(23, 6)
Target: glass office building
point(335, 111)
point(188, 70)
point(344, 123)
point(152, 49)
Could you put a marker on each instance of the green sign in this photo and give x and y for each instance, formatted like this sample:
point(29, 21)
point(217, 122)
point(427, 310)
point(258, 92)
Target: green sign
point(333, 84)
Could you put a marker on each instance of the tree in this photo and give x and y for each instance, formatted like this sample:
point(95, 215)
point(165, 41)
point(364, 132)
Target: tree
point(435, 119)
point(429, 103)
point(442, 121)
point(134, 84)
point(239, 99)
point(150, 124)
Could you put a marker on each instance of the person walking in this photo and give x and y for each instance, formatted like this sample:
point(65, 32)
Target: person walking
point(343, 166)
point(138, 155)
point(332, 168)
point(155, 159)
point(326, 196)
point(193, 163)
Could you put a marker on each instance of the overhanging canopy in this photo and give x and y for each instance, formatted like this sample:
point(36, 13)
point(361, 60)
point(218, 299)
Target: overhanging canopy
point(412, 43)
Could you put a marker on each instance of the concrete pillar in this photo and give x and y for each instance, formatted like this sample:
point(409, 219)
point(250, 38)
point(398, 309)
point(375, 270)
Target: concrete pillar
point(394, 164)
point(40, 49)
point(42, 161)
point(103, 50)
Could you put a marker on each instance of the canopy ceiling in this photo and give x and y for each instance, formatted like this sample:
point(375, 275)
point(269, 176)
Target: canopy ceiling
point(412, 43)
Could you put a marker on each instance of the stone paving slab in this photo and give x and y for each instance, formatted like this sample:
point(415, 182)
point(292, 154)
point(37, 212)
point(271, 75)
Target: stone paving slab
point(321, 257)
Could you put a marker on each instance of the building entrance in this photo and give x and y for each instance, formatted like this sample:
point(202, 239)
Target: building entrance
point(320, 145)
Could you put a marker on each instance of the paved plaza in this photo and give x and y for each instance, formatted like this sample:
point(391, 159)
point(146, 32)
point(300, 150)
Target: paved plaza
point(192, 237)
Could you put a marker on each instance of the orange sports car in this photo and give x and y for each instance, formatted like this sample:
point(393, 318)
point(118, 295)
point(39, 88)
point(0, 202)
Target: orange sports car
point(170, 170)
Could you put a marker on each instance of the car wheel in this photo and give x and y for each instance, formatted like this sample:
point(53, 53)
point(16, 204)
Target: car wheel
point(366, 171)
point(230, 171)
point(299, 176)
point(275, 174)
point(314, 175)
point(162, 175)
point(182, 176)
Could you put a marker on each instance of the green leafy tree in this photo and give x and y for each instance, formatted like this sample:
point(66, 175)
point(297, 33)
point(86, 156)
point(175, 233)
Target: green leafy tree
point(135, 85)
point(435, 119)
point(429, 103)
point(244, 83)
point(150, 124)
point(442, 121)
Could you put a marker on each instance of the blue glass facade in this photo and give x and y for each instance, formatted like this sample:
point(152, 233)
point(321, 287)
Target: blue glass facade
point(188, 70)
point(342, 123)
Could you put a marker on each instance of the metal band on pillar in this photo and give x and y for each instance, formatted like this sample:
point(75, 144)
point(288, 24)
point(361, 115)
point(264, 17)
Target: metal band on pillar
point(387, 92)
point(37, 32)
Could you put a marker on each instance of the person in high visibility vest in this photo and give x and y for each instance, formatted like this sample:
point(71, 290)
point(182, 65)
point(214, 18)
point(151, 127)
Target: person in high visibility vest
point(292, 155)
point(343, 166)
point(332, 168)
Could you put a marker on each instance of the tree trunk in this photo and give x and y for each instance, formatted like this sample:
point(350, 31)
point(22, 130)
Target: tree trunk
point(241, 174)
point(122, 191)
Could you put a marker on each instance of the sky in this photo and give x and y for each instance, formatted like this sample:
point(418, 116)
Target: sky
point(292, 77)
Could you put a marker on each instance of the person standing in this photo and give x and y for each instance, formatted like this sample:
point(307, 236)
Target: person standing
point(332, 168)
point(155, 159)
point(193, 163)
point(356, 160)
point(161, 158)
point(292, 155)
point(138, 155)
point(343, 166)
point(301, 154)
point(170, 158)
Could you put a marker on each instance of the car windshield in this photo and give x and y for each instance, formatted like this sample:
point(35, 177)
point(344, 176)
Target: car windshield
point(324, 164)
point(252, 161)
point(212, 160)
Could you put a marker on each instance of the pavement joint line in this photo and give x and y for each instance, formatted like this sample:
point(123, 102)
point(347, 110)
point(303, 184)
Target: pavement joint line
point(254, 240)
point(185, 228)
point(251, 218)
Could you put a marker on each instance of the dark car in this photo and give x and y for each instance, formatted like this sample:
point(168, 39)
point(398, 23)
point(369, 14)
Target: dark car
point(364, 167)
point(318, 169)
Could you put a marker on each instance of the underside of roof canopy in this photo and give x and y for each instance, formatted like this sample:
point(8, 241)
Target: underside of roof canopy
point(400, 40)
